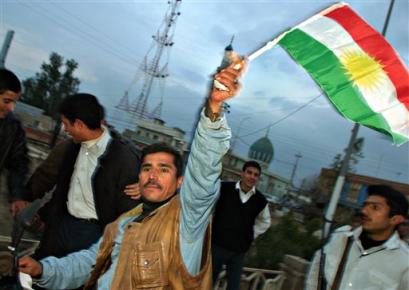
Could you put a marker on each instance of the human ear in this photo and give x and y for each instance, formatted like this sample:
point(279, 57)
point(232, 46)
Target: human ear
point(397, 219)
point(79, 123)
point(179, 181)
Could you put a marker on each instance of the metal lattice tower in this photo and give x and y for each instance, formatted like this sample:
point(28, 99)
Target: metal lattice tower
point(154, 68)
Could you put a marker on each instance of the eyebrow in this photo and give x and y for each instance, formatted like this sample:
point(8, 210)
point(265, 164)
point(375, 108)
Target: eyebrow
point(9, 99)
point(160, 165)
point(373, 202)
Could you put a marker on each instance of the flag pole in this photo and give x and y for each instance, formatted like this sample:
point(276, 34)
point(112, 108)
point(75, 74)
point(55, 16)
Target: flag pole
point(340, 182)
point(267, 46)
point(329, 215)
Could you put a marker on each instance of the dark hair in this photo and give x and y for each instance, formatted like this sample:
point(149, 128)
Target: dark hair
point(395, 199)
point(84, 107)
point(163, 147)
point(252, 163)
point(9, 81)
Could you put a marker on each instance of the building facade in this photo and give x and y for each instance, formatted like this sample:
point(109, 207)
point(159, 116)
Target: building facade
point(154, 131)
point(353, 193)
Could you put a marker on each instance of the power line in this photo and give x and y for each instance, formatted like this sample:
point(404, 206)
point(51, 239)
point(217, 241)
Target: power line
point(79, 33)
point(117, 44)
point(285, 117)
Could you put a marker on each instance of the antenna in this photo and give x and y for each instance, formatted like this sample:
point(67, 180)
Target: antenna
point(154, 68)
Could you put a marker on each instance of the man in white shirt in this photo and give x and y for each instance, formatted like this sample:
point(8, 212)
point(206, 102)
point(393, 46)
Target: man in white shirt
point(95, 168)
point(370, 257)
point(240, 216)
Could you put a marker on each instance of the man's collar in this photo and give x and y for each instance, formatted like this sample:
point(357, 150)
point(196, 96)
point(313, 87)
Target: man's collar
point(251, 191)
point(392, 243)
point(100, 142)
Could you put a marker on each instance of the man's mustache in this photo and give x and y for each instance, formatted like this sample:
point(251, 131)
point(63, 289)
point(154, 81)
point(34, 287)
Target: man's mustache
point(364, 217)
point(152, 182)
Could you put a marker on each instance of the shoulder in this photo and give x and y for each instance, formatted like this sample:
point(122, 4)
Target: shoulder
point(404, 247)
point(63, 145)
point(137, 210)
point(342, 230)
point(399, 253)
point(227, 184)
point(337, 239)
point(67, 147)
point(261, 195)
point(398, 243)
point(12, 122)
point(120, 144)
point(341, 233)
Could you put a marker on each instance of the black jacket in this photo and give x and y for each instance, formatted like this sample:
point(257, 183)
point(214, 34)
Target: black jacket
point(116, 168)
point(13, 155)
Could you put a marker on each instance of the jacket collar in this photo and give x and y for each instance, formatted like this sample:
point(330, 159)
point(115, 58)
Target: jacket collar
point(391, 244)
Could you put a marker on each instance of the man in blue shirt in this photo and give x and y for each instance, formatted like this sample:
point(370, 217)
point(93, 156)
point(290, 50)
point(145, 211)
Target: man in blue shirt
point(165, 242)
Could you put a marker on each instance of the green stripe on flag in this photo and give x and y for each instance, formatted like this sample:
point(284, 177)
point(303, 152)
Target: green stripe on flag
point(329, 73)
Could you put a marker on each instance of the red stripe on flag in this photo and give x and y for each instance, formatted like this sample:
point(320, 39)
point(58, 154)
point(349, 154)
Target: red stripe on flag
point(376, 46)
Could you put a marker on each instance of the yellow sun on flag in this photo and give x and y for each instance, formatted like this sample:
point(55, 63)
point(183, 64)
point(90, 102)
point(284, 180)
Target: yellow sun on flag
point(363, 70)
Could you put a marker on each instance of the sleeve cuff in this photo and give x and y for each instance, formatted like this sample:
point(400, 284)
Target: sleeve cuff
point(216, 125)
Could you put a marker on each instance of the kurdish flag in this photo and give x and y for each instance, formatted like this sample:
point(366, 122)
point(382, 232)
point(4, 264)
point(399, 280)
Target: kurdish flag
point(356, 67)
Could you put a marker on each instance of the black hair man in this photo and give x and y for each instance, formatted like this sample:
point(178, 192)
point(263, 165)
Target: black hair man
point(165, 242)
point(241, 215)
point(371, 256)
point(13, 147)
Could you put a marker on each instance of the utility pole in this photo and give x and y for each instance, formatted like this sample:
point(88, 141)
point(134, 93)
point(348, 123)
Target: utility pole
point(297, 157)
point(329, 215)
point(5, 48)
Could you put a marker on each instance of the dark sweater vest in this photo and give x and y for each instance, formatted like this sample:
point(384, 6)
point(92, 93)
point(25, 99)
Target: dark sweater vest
point(233, 220)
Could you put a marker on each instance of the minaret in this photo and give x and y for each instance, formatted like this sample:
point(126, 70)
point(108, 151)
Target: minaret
point(154, 67)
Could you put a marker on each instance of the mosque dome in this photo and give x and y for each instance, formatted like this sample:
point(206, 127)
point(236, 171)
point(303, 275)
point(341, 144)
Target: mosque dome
point(262, 150)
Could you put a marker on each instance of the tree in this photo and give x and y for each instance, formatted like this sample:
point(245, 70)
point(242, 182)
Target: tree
point(49, 86)
point(286, 237)
point(310, 185)
point(356, 156)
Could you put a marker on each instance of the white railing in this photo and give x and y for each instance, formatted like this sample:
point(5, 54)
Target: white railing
point(255, 279)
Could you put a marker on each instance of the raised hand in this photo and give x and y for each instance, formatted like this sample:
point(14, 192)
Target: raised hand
point(227, 84)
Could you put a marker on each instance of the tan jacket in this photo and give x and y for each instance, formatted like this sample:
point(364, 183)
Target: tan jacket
point(150, 257)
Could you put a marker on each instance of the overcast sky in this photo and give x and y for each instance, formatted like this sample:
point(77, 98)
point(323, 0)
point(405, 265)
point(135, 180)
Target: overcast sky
point(109, 39)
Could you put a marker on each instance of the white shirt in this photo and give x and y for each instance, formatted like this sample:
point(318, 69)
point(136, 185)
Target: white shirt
point(263, 219)
point(385, 267)
point(80, 195)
